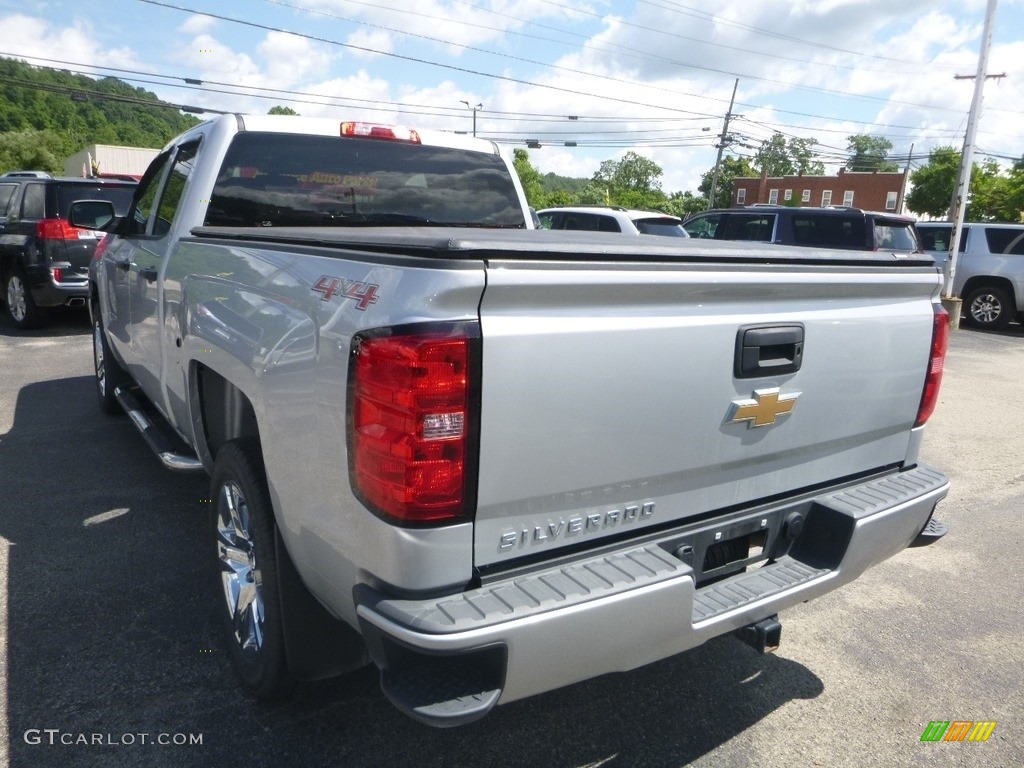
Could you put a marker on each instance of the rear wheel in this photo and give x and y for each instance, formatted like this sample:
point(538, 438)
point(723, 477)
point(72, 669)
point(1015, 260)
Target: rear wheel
point(244, 531)
point(988, 307)
point(21, 307)
point(108, 373)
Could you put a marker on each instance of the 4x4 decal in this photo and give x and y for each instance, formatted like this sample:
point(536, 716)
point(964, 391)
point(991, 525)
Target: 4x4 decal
point(363, 294)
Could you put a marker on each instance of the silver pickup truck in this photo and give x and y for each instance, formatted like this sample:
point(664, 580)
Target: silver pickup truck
point(494, 460)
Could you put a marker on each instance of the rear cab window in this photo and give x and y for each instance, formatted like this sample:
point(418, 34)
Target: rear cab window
point(282, 180)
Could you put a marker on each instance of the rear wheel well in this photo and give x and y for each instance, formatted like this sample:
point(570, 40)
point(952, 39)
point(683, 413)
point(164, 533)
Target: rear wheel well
point(224, 412)
point(991, 282)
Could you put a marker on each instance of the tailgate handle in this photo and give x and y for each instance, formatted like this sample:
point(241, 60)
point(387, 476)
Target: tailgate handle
point(768, 350)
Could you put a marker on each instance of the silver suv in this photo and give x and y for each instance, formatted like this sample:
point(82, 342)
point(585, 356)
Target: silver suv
point(989, 272)
point(612, 219)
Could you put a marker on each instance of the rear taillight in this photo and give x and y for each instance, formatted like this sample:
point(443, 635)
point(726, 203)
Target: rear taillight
point(412, 423)
point(58, 229)
point(936, 362)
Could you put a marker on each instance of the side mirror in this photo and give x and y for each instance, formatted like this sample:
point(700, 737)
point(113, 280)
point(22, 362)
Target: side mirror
point(91, 214)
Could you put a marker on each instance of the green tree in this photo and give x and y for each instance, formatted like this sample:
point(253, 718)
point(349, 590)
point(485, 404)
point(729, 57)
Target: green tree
point(1015, 192)
point(731, 167)
point(74, 111)
point(682, 204)
point(279, 110)
point(993, 196)
point(633, 182)
point(772, 157)
point(529, 177)
point(32, 150)
point(802, 153)
point(868, 153)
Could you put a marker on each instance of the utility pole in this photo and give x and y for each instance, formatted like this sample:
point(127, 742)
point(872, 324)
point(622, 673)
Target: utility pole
point(721, 146)
point(950, 301)
point(470, 106)
point(903, 186)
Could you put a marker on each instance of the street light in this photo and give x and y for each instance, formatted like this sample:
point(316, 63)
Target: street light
point(470, 106)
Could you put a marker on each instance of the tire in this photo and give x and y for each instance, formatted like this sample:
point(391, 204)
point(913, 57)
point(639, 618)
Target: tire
point(246, 569)
point(109, 374)
point(21, 307)
point(988, 307)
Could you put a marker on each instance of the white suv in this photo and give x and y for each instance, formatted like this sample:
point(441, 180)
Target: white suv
point(989, 271)
point(612, 219)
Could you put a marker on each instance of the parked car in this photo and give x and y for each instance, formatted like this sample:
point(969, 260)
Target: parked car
point(989, 271)
point(829, 227)
point(612, 219)
point(49, 229)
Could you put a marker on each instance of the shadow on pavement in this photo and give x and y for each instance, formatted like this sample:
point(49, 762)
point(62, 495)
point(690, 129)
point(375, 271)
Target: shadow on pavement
point(112, 635)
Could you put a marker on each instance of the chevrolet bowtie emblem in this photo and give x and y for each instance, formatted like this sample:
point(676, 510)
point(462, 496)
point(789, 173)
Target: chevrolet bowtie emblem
point(766, 406)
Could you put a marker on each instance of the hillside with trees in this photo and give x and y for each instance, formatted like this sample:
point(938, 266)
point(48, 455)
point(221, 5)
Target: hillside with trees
point(47, 115)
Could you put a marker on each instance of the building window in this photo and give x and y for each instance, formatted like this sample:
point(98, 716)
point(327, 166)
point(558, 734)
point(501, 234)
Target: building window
point(890, 201)
point(741, 196)
point(788, 195)
point(848, 198)
point(826, 197)
point(806, 196)
point(773, 197)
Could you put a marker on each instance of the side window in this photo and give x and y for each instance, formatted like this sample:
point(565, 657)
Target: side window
point(703, 226)
point(547, 221)
point(33, 203)
point(6, 193)
point(581, 221)
point(145, 197)
point(1005, 240)
point(753, 227)
point(936, 238)
point(608, 224)
point(184, 162)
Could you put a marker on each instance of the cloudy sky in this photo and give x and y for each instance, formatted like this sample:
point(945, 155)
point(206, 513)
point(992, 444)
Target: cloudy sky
point(651, 76)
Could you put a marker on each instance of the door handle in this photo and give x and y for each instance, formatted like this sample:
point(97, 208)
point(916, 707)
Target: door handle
point(768, 350)
point(150, 273)
point(124, 266)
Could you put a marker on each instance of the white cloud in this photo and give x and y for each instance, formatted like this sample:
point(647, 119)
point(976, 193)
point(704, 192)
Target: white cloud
point(39, 42)
point(290, 58)
point(197, 24)
point(369, 44)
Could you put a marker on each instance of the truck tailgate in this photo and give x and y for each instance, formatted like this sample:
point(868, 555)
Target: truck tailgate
point(611, 399)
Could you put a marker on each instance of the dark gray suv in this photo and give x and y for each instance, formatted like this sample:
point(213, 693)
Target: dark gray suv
point(45, 245)
point(849, 228)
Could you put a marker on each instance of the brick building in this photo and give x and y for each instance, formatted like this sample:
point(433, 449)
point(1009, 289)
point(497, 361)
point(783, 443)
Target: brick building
point(872, 191)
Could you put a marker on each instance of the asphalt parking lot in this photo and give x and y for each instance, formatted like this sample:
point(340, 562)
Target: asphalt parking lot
point(109, 640)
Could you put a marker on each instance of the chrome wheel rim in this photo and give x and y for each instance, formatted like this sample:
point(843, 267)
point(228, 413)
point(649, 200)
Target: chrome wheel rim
point(16, 298)
point(97, 356)
point(986, 308)
point(240, 575)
